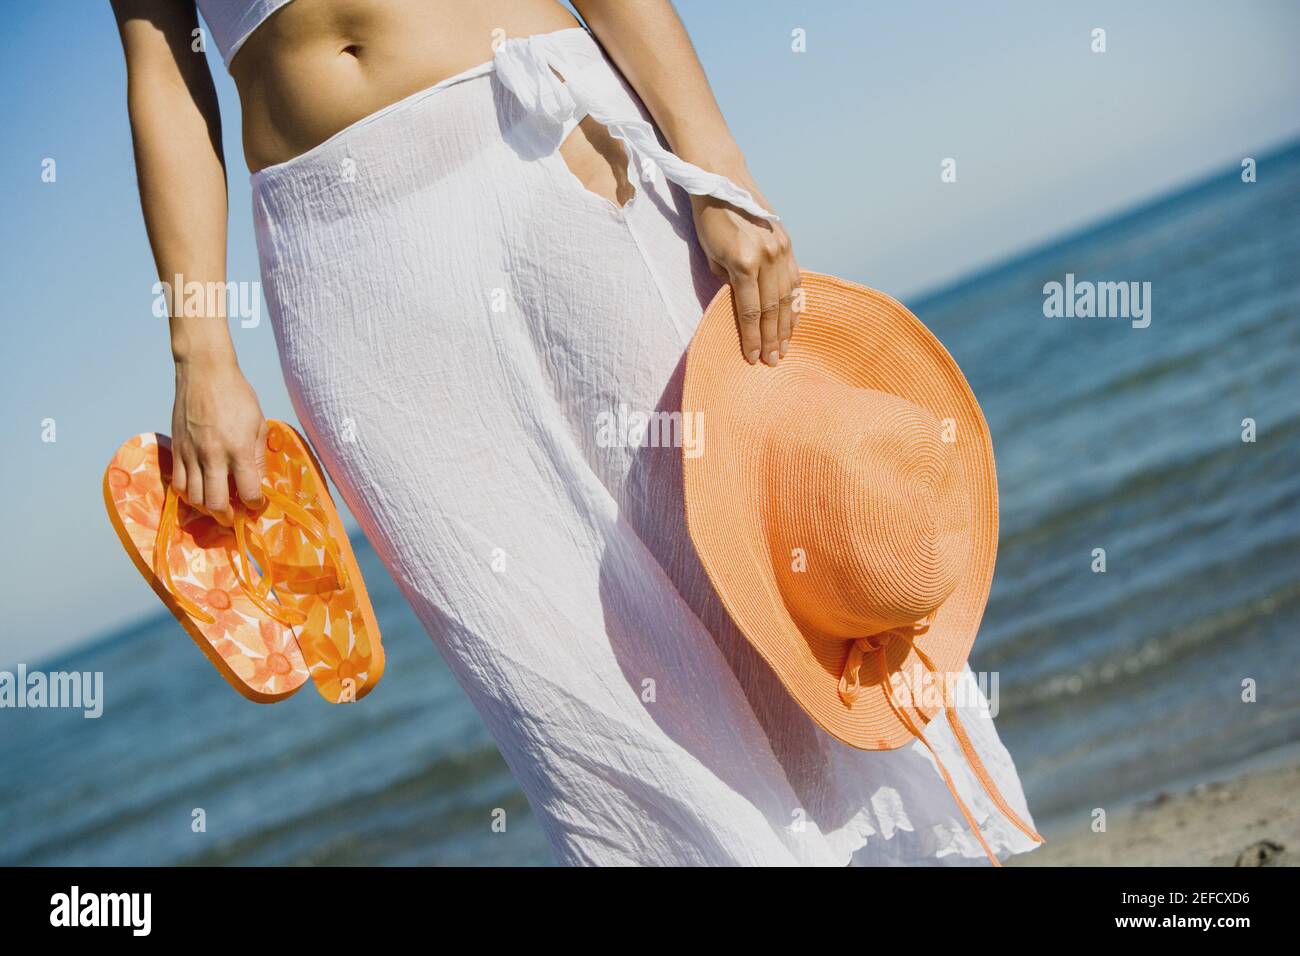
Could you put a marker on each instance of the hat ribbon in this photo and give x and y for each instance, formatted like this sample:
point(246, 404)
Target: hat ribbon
point(524, 66)
point(850, 686)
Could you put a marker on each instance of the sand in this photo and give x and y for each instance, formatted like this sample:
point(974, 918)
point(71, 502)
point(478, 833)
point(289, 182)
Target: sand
point(1252, 819)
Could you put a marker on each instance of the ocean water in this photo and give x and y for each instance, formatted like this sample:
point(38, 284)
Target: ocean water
point(1110, 684)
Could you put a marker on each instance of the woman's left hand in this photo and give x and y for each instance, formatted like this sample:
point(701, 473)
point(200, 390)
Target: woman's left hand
point(756, 257)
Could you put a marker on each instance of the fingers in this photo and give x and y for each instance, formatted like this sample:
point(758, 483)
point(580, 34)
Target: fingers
point(749, 312)
point(764, 280)
point(769, 288)
point(179, 475)
point(203, 472)
point(193, 481)
point(786, 322)
point(248, 466)
point(793, 283)
point(783, 322)
point(216, 490)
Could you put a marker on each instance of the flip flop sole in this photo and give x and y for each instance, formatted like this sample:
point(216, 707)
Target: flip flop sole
point(340, 637)
point(354, 570)
point(258, 657)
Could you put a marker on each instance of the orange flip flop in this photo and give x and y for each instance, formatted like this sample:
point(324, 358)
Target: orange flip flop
point(299, 542)
point(189, 560)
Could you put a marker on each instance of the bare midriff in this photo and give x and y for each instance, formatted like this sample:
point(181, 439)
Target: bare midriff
point(315, 67)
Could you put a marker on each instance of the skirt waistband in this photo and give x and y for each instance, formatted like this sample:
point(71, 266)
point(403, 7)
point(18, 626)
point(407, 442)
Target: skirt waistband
point(554, 79)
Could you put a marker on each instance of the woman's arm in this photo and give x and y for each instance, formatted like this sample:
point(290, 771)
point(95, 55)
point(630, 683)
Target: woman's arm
point(649, 45)
point(217, 424)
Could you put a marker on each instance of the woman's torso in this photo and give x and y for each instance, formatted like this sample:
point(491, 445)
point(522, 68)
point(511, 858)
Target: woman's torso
point(315, 67)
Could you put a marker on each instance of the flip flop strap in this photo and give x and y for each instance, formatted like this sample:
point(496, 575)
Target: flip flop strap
point(260, 593)
point(314, 528)
point(161, 566)
point(240, 560)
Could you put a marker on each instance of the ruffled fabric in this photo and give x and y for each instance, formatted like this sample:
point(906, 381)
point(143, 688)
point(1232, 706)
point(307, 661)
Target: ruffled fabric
point(487, 357)
point(536, 70)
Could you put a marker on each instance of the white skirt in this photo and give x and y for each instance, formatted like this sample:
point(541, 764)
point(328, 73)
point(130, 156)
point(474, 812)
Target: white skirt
point(472, 341)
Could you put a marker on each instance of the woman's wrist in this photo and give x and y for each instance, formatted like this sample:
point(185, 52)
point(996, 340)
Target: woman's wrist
point(201, 343)
point(701, 137)
point(724, 159)
point(721, 156)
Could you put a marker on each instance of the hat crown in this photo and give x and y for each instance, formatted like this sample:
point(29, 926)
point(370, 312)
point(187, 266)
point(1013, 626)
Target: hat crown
point(870, 521)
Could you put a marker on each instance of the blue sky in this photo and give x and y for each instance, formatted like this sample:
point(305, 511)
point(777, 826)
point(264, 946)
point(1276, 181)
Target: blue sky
point(846, 139)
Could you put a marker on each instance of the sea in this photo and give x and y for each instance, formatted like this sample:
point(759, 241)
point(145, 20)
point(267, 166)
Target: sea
point(1144, 624)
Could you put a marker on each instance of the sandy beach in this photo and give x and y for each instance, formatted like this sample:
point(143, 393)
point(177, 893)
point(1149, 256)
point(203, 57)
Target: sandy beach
point(1252, 819)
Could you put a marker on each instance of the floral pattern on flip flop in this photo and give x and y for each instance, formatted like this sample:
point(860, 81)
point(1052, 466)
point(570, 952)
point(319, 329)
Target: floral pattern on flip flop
point(343, 657)
point(262, 654)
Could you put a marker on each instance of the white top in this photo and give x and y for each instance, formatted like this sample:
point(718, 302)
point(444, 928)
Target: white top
point(233, 21)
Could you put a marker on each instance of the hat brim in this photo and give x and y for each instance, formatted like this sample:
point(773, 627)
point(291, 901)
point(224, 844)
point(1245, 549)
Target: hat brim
point(862, 338)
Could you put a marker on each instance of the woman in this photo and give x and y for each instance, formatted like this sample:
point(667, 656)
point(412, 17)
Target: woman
point(483, 270)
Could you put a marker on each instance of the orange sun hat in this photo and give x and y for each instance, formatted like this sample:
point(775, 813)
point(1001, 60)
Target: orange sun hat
point(846, 511)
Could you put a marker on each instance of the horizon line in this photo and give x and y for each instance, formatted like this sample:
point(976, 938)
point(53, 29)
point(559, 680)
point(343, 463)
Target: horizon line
point(928, 295)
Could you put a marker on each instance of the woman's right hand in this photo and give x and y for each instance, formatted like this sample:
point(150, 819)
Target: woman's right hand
point(218, 432)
